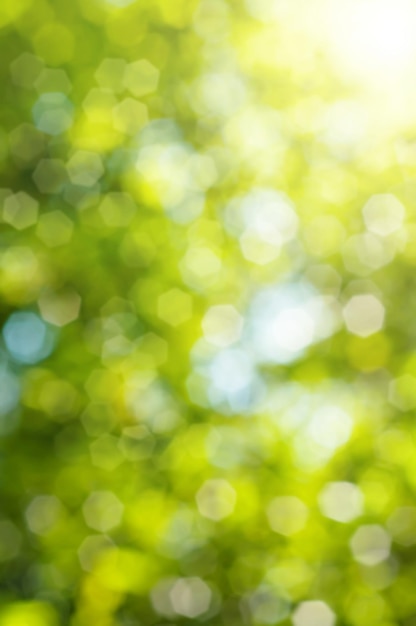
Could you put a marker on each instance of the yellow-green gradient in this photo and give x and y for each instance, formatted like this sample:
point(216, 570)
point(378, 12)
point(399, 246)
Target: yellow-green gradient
point(208, 339)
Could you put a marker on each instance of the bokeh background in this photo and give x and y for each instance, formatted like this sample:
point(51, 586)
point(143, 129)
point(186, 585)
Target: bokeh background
point(207, 277)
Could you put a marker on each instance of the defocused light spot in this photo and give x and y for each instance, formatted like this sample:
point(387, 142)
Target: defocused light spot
point(268, 606)
point(54, 229)
point(178, 176)
point(287, 515)
point(109, 74)
point(99, 104)
point(257, 250)
point(264, 220)
point(383, 214)
point(174, 307)
point(53, 81)
point(200, 266)
point(233, 380)
point(285, 320)
point(50, 175)
point(226, 447)
point(91, 549)
point(370, 544)
point(330, 427)
point(25, 69)
point(60, 308)
point(102, 511)
point(220, 93)
point(27, 337)
point(222, 325)
point(141, 78)
point(373, 40)
point(341, 501)
point(402, 392)
point(190, 597)
point(264, 138)
point(313, 613)
point(53, 113)
point(160, 597)
point(117, 209)
point(85, 168)
point(181, 536)
point(20, 210)
point(402, 526)
point(42, 514)
point(293, 330)
point(130, 116)
point(136, 443)
point(26, 143)
point(216, 499)
point(364, 315)
point(365, 253)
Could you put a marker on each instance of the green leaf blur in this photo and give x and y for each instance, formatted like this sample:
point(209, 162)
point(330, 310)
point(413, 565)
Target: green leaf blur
point(208, 348)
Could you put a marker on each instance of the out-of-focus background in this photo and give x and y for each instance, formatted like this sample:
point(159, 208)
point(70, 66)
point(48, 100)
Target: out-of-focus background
point(208, 338)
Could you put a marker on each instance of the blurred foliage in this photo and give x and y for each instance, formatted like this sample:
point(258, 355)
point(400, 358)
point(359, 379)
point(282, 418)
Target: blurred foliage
point(207, 358)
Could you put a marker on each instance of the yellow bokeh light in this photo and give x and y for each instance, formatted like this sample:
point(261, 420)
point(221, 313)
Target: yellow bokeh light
point(374, 40)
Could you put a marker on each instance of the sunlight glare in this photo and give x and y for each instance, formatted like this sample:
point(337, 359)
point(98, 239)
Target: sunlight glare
point(373, 40)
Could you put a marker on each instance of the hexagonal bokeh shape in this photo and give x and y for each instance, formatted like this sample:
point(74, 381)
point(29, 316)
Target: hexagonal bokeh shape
point(91, 549)
point(117, 209)
point(313, 613)
point(54, 229)
point(175, 307)
point(287, 515)
point(109, 74)
point(20, 210)
point(370, 544)
point(222, 325)
point(141, 78)
point(130, 116)
point(25, 69)
point(190, 597)
point(364, 315)
point(402, 525)
point(53, 113)
point(383, 214)
point(85, 168)
point(26, 143)
point(43, 513)
point(60, 308)
point(341, 501)
point(216, 499)
point(28, 339)
point(53, 81)
point(50, 175)
point(402, 392)
point(102, 510)
point(99, 103)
